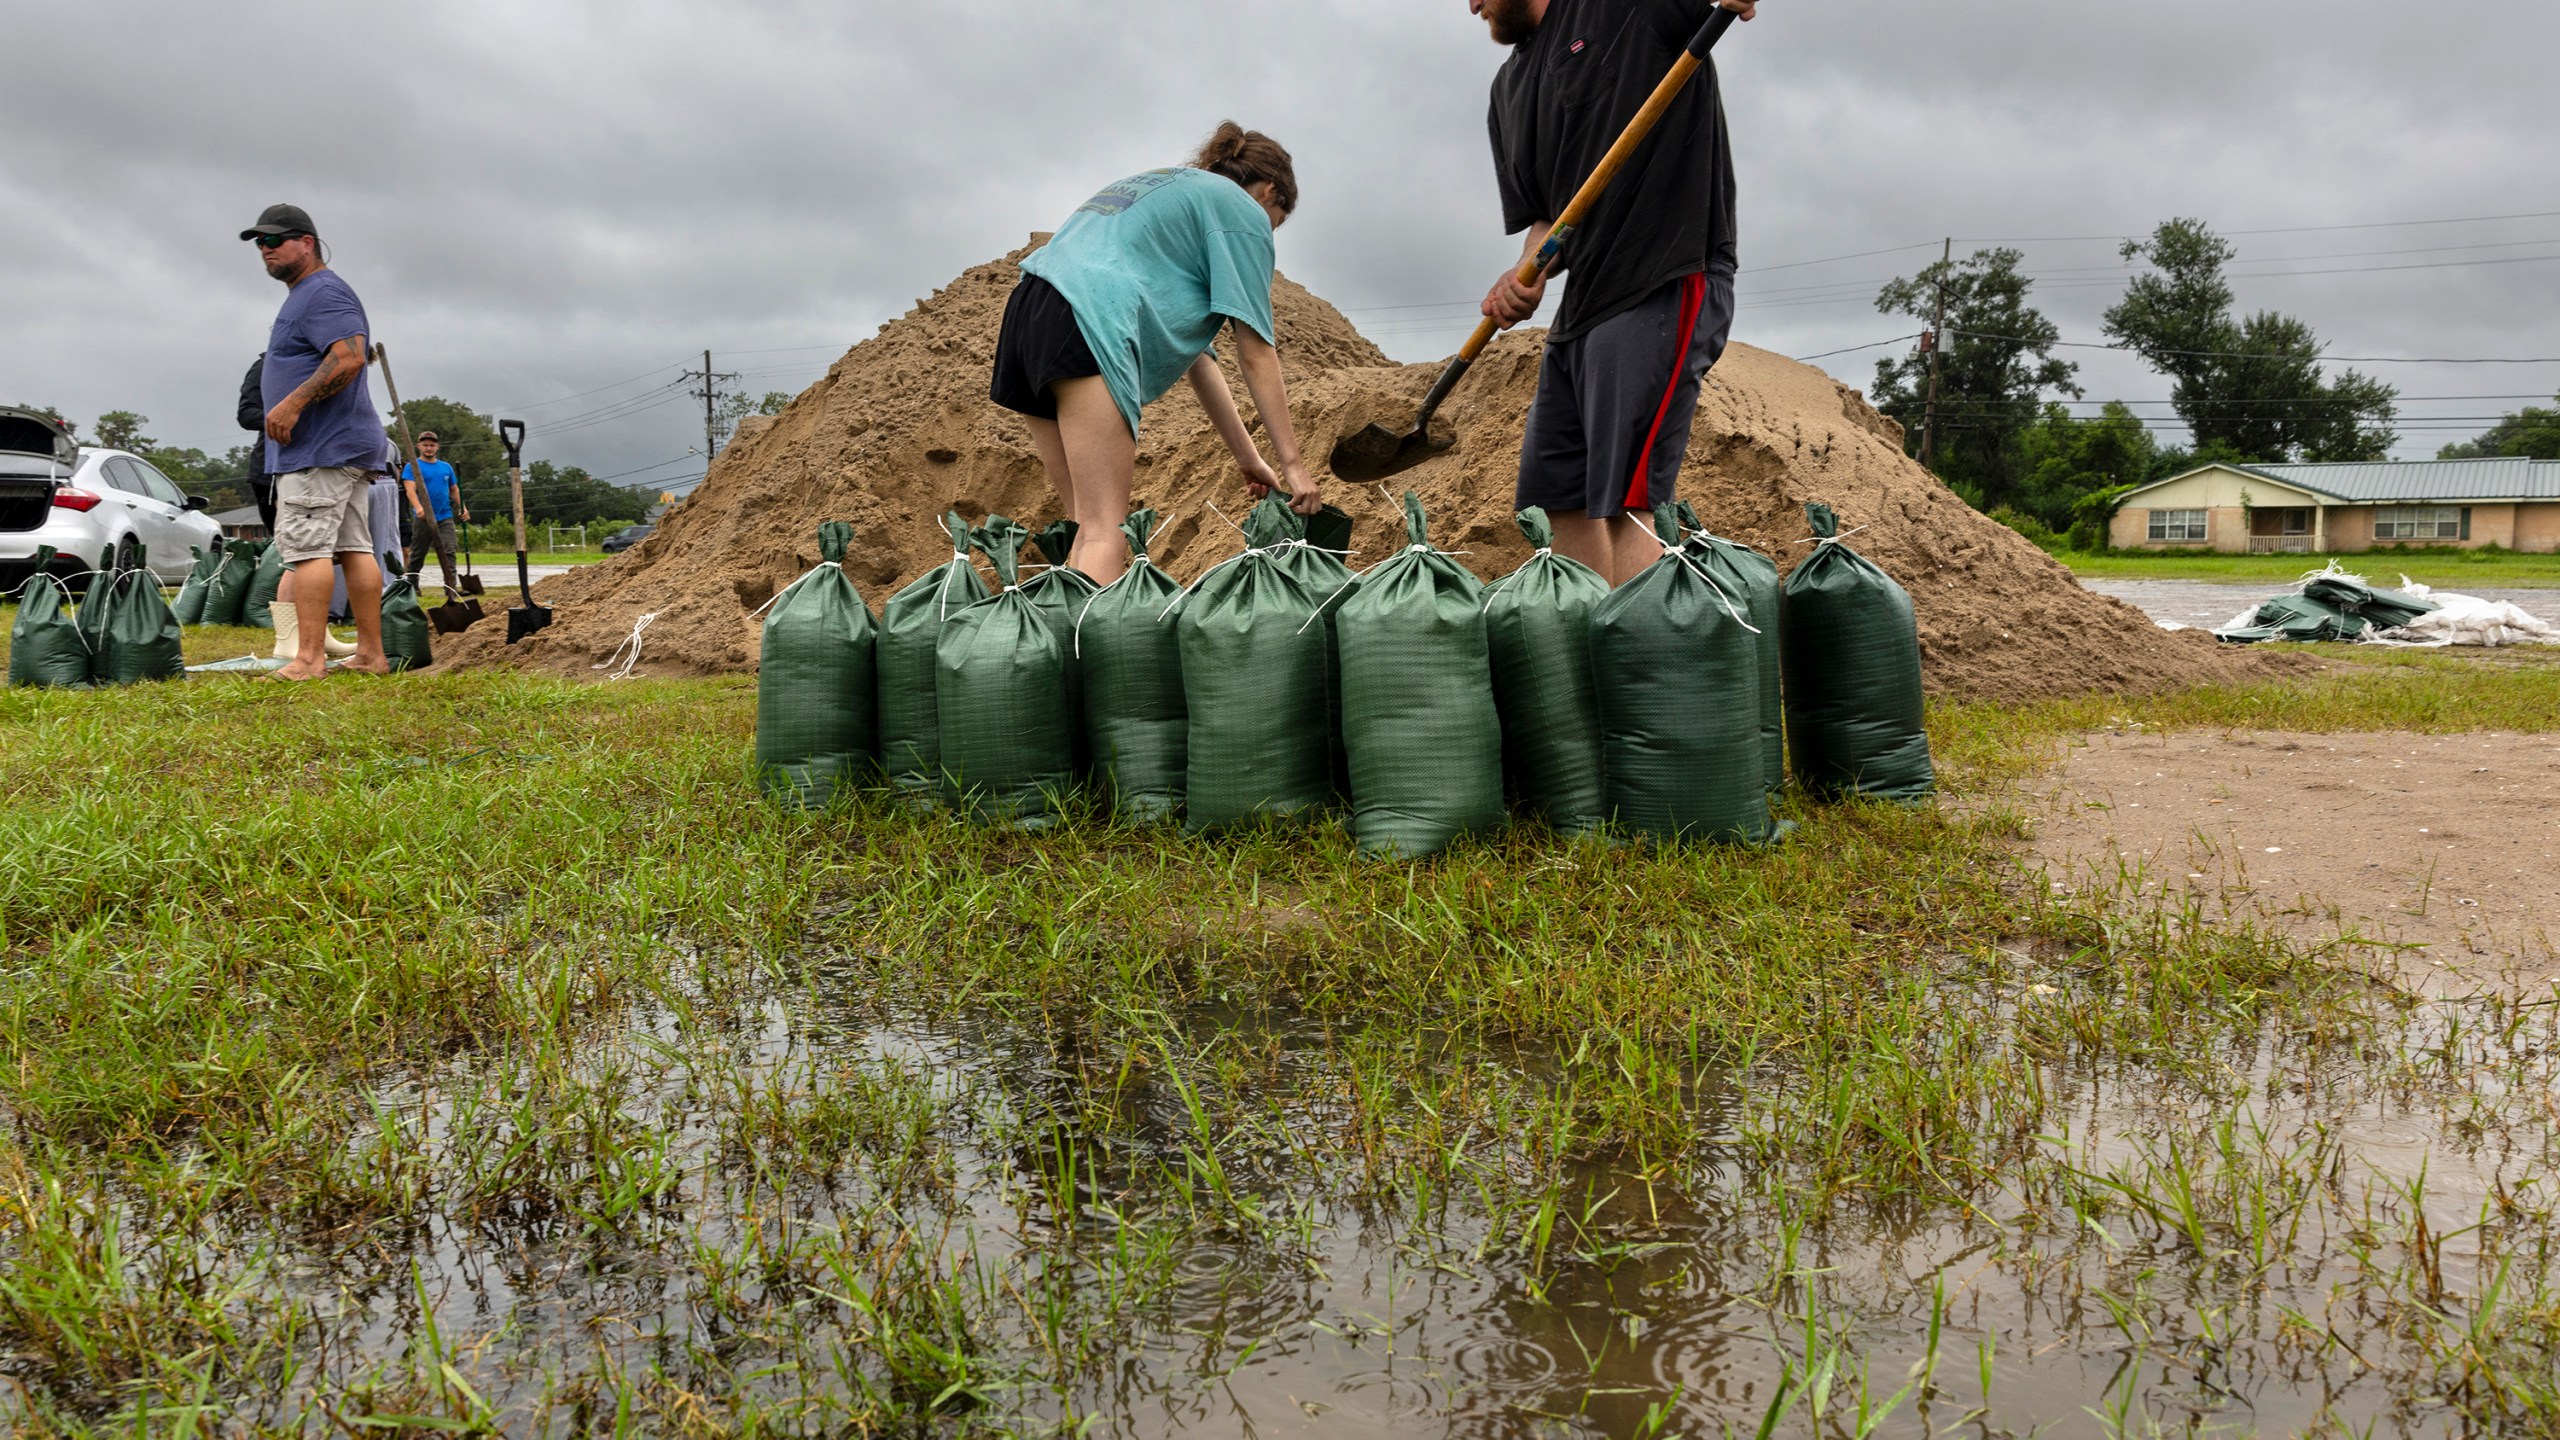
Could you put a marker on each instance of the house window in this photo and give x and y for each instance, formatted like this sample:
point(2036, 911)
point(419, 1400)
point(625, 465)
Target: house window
point(2177, 525)
point(2417, 522)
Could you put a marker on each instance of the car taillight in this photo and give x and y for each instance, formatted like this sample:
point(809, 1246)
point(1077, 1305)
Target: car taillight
point(72, 497)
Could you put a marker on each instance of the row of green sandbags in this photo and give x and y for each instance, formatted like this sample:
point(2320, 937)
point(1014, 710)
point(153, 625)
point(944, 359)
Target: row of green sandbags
point(122, 633)
point(1280, 683)
point(231, 584)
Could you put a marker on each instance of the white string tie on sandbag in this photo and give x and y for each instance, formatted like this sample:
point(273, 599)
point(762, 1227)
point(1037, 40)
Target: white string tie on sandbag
point(787, 589)
point(639, 628)
point(1246, 553)
point(1818, 541)
point(1681, 553)
point(1099, 592)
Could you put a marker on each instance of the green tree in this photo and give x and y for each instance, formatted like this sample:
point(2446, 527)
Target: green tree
point(568, 495)
point(2254, 386)
point(2066, 459)
point(470, 444)
point(738, 405)
point(1995, 368)
point(122, 430)
point(2532, 433)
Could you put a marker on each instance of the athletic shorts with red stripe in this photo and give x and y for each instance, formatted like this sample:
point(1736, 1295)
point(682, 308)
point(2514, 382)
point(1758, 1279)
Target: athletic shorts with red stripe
point(1610, 424)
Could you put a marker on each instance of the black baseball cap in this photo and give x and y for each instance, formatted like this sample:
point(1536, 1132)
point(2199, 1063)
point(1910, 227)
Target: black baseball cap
point(280, 220)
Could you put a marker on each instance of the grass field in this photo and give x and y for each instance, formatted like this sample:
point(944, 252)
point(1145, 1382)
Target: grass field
point(482, 1054)
point(2445, 569)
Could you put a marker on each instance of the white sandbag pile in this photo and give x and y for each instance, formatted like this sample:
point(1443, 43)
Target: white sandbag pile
point(2467, 620)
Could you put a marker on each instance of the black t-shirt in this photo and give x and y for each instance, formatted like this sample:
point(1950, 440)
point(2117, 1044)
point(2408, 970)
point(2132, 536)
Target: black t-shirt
point(1560, 102)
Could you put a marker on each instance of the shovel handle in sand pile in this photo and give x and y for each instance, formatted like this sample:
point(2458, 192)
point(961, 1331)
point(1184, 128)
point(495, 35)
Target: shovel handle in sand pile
point(1377, 452)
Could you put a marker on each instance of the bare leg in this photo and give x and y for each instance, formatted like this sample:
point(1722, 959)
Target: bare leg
point(306, 583)
point(364, 597)
point(1100, 456)
point(1053, 460)
point(1579, 537)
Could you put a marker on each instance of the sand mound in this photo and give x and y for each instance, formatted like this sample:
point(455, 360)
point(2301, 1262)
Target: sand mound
point(901, 430)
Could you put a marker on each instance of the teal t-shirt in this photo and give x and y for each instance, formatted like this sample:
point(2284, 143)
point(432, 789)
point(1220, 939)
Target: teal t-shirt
point(1154, 265)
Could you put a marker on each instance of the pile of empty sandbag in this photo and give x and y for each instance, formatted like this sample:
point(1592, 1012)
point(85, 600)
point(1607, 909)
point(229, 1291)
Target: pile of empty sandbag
point(1423, 701)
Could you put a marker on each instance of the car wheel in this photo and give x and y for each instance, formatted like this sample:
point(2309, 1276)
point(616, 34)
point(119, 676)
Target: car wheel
point(128, 554)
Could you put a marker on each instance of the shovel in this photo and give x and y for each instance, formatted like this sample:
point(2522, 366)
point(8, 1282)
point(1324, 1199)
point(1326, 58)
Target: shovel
point(526, 618)
point(1375, 452)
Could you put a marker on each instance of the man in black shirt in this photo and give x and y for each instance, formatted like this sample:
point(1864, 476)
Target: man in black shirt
point(1650, 302)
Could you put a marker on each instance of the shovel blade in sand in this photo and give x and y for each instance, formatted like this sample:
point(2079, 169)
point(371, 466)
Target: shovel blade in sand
point(1375, 452)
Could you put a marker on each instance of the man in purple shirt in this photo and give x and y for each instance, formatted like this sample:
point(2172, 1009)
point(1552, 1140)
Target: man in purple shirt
point(323, 442)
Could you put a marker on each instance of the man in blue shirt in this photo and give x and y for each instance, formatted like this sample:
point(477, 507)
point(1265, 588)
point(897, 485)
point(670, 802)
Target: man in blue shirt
point(323, 442)
point(435, 495)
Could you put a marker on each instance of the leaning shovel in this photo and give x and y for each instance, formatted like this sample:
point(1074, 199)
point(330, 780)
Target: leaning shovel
point(1375, 452)
point(526, 618)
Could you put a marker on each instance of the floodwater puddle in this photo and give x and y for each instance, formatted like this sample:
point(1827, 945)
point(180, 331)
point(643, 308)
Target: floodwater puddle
point(803, 1213)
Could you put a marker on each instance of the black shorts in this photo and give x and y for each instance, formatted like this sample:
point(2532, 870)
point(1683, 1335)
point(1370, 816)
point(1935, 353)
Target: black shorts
point(1039, 346)
point(1610, 424)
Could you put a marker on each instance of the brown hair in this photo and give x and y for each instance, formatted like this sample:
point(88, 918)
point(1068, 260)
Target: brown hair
point(1248, 157)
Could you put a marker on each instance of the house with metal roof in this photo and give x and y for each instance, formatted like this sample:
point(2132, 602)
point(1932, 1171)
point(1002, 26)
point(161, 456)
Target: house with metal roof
point(2315, 509)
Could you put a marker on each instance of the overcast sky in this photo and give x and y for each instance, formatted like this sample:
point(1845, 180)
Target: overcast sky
point(550, 208)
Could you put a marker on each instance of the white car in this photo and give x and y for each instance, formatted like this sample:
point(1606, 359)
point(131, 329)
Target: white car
point(95, 507)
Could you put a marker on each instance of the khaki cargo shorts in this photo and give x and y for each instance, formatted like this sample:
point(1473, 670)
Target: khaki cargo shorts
point(324, 512)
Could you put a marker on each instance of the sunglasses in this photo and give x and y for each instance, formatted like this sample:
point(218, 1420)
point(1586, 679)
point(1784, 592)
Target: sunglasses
point(278, 242)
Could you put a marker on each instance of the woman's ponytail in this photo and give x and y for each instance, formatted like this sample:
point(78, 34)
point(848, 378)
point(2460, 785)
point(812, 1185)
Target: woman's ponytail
point(1249, 157)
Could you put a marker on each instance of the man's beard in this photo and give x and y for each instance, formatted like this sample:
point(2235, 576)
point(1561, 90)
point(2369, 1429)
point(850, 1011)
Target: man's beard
point(278, 269)
point(1509, 20)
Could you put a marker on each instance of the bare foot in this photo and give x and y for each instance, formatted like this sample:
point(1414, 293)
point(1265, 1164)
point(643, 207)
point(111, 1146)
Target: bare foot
point(298, 670)
point(375, 663)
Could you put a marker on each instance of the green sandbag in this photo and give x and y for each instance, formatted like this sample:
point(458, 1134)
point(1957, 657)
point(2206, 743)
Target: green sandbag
point(45, 647)
point(1678, 677)
point(818, 683)
point(404, 622)
point(1752, 578)
point(1134, 713)
point(262, 588)
point(1417, 701)
point(1253, 680)
point(1000, 686)
point(1322, 572)
point(189, 606)
point(228, 591)
point(910, 632)
point(1537, 622)
point(1855, 720)
point(138, 637)
point(1061, 594)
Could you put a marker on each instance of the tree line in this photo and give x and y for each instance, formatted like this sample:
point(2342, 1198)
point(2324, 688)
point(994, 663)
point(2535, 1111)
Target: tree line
point(2249, 388)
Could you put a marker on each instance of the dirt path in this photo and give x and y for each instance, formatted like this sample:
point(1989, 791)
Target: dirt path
point(2445, 845)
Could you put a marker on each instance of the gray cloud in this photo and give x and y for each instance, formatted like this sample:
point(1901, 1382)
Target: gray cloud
point(537, 201)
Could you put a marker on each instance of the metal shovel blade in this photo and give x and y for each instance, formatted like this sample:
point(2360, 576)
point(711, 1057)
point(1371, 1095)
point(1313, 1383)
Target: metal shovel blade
point(1375, 452)
point(523, 620)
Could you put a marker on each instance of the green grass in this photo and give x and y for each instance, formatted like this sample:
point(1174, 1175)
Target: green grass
point(2443, 568)
point(329, 1013)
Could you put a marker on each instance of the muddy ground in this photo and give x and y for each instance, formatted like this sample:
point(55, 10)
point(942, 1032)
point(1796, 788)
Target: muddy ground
point(2437, 854)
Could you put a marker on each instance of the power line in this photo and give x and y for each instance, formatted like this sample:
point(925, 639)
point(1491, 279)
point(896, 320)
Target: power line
point(2256, 355)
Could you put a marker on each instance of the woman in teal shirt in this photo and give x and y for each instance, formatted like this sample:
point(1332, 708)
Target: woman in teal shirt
point(1127, 298)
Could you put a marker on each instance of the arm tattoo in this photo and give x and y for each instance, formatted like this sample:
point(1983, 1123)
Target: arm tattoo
point(343, 363)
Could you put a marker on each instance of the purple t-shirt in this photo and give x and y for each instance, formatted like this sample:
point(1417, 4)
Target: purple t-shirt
point(342, 429)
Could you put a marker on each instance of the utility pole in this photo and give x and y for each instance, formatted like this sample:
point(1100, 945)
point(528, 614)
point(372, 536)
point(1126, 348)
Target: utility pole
point(1937, 343)
point(710, 393)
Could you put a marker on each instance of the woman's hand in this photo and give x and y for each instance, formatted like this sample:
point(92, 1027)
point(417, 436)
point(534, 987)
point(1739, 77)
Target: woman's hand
point(1302, 488)
point(1259, 478)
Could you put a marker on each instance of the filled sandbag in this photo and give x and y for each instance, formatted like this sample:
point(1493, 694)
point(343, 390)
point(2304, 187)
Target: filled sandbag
point(137, 637)
point(910, 632)
point(189, 606)
point(1418, 718)
point(818, 683)
point(1135, 717)
point(1000, 690)
point(1537, 622)
point(1061, 595)
point(1752, 578)
point(45, 646)
point(228, 591)
point(1856, 720)
point(263, 585)
point(1253, 681)
point(405, 630)
point(1325, 574)
point(1677, 672)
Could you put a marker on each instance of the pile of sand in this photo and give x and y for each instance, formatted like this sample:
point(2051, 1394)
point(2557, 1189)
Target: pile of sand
point(901, 429)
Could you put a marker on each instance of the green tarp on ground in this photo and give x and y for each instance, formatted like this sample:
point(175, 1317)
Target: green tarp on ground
point(1855, 721)
point(1253, 680)
point(1418, 719)
point(1135, 717)
point(1000, 691)
point(2330, 605)
point(818, 683)
point(910, 633)
point(1678, 674)
point(1538, 634)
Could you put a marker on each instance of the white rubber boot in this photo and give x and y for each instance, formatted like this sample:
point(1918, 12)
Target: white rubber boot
point(288, 622)
point(334, 648)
